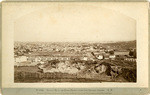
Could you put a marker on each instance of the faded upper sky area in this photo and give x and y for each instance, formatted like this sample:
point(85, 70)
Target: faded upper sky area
point(74, 23)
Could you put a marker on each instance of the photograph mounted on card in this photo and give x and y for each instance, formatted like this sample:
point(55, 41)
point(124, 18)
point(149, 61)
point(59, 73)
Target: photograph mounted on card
point(74, 44)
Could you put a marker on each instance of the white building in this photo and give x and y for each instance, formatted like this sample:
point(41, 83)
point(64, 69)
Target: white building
point(112, 57)
point(100, 57)
point(130, 59)
point(20, 59)
point(85, 58)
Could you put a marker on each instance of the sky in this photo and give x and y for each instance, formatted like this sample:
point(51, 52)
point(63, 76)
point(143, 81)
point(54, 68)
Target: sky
point(74, 24)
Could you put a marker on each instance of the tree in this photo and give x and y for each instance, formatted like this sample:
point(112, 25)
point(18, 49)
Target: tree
point(134, 53)
point(131, 53)
point(111, 52)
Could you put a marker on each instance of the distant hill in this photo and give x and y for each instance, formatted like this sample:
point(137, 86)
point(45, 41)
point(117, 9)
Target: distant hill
point(123, 45)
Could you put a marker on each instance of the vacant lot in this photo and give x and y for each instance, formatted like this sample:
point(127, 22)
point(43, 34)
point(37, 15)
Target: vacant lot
point(127, 73)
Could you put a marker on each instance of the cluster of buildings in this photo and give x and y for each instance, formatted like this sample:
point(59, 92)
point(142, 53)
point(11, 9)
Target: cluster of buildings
point(40, 53)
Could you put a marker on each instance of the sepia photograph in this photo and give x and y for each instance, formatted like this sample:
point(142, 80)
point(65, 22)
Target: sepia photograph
point(74, 47)
point(84, 44)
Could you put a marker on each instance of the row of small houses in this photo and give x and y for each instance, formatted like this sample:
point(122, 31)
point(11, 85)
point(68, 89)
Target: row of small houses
point(19, 59)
